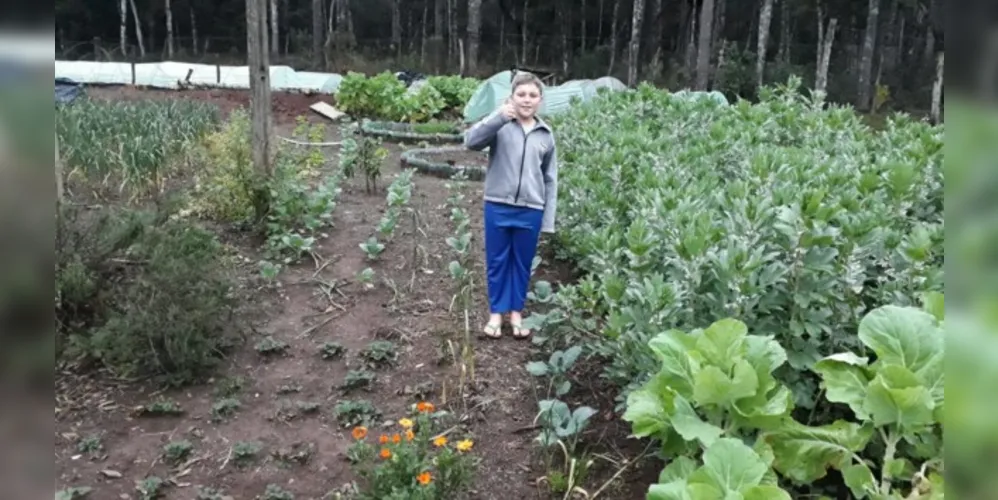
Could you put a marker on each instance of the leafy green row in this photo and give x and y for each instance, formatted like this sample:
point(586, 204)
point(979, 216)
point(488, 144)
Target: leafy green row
point(385, 97)
point(790, 215)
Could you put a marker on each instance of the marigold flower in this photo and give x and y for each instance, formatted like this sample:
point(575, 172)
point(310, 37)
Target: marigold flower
point(409, 435)
point(440, 441)
point(465, 445)
point(406, 423)
point(386, 453)
point(359, 432)
point(396, 439)
point(383, 439)
point(424, 478)
point(425, 407)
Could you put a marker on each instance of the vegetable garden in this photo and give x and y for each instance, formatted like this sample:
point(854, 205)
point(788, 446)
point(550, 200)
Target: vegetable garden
point(741, 301)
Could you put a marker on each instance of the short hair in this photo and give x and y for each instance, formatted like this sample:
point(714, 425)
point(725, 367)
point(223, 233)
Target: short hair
point(526, 78)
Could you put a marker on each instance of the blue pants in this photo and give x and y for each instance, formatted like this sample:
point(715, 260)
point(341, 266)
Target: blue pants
point(511, 235)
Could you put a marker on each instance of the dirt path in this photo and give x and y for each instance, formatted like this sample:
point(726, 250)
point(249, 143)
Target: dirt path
point(286, 402)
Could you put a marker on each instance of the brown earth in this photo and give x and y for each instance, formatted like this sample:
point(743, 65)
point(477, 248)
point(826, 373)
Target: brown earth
point(409, 306)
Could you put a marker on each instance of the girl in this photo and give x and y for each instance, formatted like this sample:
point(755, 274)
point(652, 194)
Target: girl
point(521, 194)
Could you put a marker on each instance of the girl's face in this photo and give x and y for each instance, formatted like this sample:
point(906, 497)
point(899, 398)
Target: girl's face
point(526, 100)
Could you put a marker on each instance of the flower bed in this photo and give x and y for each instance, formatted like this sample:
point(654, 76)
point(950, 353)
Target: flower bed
point(437, 132)
point(423, 160)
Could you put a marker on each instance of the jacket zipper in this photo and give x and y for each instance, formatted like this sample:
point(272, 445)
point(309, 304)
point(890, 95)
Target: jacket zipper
point(523, 158)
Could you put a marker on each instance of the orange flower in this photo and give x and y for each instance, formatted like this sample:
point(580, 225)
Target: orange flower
point(386, 453)
point(465, 445)
point(409, 435)
point(396, 439)
point(383, 439)
point(440, 441)
point(424, 478)
point(425, 407)
point(359, 432)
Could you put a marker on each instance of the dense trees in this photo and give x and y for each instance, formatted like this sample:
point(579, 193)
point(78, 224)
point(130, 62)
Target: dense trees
point(881, 53)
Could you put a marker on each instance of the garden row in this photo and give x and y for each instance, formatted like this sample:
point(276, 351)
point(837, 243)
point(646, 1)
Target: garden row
point(773, 234)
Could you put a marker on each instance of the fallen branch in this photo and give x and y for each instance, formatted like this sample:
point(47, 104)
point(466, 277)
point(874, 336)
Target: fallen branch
point(620, 471)
point(303, 143)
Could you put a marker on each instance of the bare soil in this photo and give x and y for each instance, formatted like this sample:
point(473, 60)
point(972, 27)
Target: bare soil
point(409, 306)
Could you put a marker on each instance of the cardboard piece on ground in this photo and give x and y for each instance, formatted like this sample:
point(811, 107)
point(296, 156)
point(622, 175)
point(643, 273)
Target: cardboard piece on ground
point(327, 111)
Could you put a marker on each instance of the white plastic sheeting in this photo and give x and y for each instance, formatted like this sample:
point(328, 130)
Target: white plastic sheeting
point(173, 75)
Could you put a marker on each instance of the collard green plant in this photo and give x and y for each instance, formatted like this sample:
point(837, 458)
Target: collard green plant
point(716, 390)
point(898, 400)
point(730, 469)
point(711, 384)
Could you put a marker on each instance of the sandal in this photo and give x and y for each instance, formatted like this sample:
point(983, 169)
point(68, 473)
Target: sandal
point(493, 330)
point(519, 331)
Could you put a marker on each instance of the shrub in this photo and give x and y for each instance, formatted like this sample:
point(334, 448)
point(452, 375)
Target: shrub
point(142, 294)
point(456, 90)
point(794, 218)
point(385, 97)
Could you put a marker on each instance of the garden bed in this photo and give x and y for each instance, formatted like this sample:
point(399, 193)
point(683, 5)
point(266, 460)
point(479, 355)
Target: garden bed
point(446, 161)
point(434, 132)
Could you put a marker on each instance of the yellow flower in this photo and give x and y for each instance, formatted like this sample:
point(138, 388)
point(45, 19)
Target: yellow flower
point(465, 445)
point(440, 441)
point(406, 423)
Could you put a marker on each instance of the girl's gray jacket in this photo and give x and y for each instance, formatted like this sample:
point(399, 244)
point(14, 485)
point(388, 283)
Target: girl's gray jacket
point(523, 167)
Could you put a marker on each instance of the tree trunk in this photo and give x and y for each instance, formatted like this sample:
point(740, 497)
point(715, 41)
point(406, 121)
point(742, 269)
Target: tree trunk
point(937, 89)
point(655, 47)
point(825, 56)
point(423, 34)
point(765, 18)
point(474, 31)
point(260, 110)
point(863, 93)
point(690, 55)
point(194, 33)
point(613, 35)
point(169, 29)
point(635, 48)
point(435, 47)
point(783, 53)
point(275, 31)
point(138, 29)
point(524, 47)
point(123, 27)
point(316, 33)
point(452, 32)
point(599, 26)
point(703, 47)
point(397, 27)
point(565, 27)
